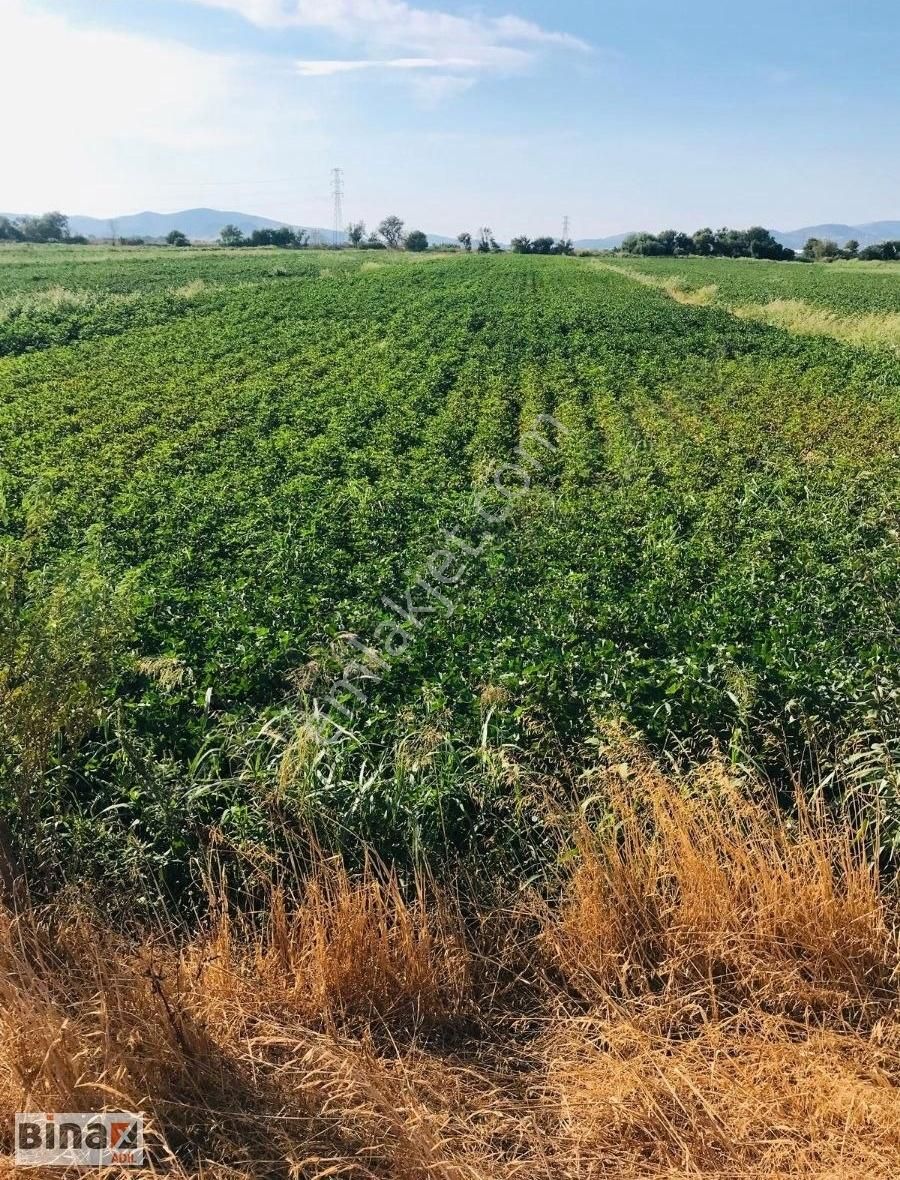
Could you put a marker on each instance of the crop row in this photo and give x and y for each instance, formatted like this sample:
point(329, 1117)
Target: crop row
point(708, 555)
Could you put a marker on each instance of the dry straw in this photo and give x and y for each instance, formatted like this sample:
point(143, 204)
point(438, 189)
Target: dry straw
point(707, 990)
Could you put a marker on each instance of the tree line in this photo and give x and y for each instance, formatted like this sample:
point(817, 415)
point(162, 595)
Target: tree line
point(755, 242)
point(826, 250)
point(48, 227)
point(283, 236)
point(391, 234)
point(526, 245)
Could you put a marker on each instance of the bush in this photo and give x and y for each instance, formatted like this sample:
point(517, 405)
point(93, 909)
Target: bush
point(416, 241)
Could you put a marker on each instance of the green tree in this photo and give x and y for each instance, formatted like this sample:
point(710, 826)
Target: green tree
point(49, 227)
point(356, 231)
point(10, 231)
point(764, 245)
point(230, 235)
point(645, 244)
point(851, 248)
point(521, 245)
point(176, 238)
point(704, 240)
point(683, 244)
point(821, 250)
point(416, 241)
point(465, 240)
point(391, 231)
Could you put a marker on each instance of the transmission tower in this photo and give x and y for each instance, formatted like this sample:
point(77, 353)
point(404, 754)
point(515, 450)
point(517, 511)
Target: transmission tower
point(337, 193)
point(566, 227)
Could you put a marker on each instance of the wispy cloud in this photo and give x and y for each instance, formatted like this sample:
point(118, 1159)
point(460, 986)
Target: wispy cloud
point(321, 68)
point(395, 35)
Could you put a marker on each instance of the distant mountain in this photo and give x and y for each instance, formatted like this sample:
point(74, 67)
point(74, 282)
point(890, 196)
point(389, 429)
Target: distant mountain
point(867, 235)
point(612, 243)
point(203, 225)
point(200, 225)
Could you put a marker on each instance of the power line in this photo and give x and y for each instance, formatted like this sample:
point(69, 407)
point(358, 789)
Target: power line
point(337, 193)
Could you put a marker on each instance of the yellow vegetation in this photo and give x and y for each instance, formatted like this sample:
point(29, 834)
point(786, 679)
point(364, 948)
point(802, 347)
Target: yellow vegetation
point(865, 330)
point(707, 990)
point(673, 286)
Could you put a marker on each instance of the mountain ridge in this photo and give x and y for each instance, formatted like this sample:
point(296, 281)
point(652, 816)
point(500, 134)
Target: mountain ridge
point(203, 224)
point(200, 224)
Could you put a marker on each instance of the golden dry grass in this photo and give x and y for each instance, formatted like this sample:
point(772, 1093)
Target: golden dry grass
point(708, 990)
point(671, 285)
point(865, 330)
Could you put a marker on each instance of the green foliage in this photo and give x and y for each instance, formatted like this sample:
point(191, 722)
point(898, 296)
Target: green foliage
point(755, 242)
point(840, 287)
point(819, 250)
point(885, 252)
point(487, 244)
point(230, 235)
point(524, 245)
point(202, 502)
point(391, 232)
point(356, 232)
point(417, 241)
point(49, 227)
point(283, 237)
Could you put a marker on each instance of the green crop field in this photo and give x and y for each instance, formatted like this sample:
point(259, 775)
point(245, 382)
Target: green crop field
point(854, 287)
point(223, 474)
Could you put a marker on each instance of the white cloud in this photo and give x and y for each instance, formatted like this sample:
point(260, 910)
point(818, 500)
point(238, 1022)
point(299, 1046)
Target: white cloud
point(324, 68)
point(440, 40)
point(95, 110)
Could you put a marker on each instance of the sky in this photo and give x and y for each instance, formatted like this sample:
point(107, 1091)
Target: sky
point(621, 114)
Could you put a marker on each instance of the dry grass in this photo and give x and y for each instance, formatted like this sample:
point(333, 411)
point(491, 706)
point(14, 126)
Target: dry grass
point(864, 330)
point(868, 330)
point(671, 285)
point(707, 991)
point(59, 300)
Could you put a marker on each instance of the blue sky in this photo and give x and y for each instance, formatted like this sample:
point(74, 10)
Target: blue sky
point(623, 114)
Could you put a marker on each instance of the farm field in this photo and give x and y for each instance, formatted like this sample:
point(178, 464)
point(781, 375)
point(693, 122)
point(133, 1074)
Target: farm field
point(449, 714)
point(839, 286)
point(204, 505)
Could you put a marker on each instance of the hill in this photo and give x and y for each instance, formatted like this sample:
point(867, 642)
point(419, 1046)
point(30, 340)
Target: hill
point(868, 234)
point(203, 225)
point(200, 225)
point(610, 243)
